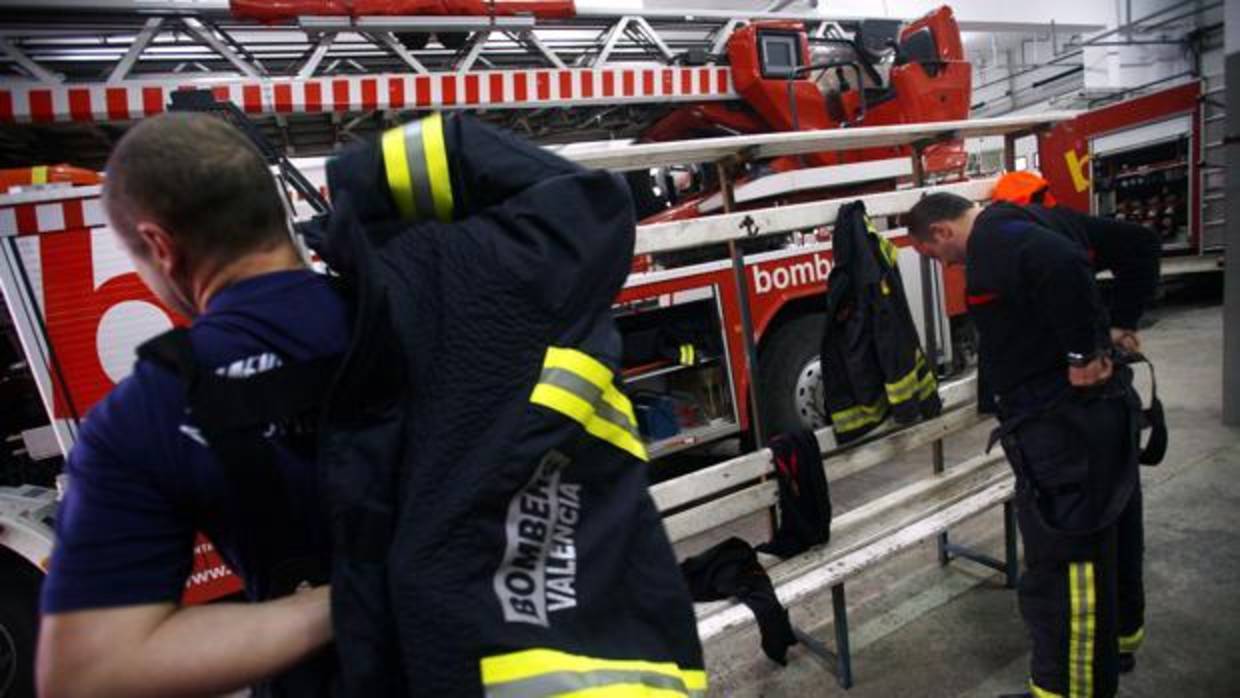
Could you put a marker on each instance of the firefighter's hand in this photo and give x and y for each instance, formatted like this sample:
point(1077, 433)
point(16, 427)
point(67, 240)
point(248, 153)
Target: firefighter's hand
point(1095, 372)
point(1126, 339)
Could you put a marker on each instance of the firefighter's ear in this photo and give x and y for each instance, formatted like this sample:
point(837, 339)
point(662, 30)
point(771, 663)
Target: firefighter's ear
point(941, 231)
point(160, 247)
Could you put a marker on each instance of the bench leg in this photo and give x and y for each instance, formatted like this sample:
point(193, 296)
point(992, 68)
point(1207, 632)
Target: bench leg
point(840, 610)
point(936, 457)
point(840, 661)
point(1009, 566)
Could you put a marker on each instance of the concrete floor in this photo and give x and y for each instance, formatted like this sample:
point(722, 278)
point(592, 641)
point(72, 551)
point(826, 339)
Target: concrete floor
point(921, 630)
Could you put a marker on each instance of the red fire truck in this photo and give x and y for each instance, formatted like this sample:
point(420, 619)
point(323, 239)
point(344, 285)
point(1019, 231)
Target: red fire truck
point(1145, 160)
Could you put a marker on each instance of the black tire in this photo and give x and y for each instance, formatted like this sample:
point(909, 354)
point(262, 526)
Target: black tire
point(789, 357)
point(19, 602)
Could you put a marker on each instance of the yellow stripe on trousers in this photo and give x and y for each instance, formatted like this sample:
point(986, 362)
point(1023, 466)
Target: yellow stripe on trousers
point(1039, 692)
point(1131, 643)
point(1081, 630)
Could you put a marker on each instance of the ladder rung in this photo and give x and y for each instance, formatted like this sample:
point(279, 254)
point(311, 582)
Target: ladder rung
point(1216, 117)
point(1212, 197)
point(1213, 223)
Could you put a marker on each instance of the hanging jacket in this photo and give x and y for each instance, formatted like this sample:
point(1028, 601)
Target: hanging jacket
point(485, 481)
point(872, 360)
point(804, 495)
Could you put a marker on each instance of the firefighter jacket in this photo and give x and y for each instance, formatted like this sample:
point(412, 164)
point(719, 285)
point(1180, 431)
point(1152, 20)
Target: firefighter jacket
point(872, 361)
point(484, 475)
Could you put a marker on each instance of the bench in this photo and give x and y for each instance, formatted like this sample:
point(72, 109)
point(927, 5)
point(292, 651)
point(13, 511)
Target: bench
point(861, 537)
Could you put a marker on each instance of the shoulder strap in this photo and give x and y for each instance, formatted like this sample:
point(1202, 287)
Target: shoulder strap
point(234, 416)
point(1152, 417)
point(221, 403)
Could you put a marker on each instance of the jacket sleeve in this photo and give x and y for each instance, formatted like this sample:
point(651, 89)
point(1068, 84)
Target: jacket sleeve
point(1131, 252)
point(562, 247)
point(539, 225)
point(1057, 275)
point(489, 165)
point(439, 168)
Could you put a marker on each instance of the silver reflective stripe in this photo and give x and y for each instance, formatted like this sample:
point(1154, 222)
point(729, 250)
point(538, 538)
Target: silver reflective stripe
point(573, 383)
point(555, 683)
point(587, 391)
point(419, 176)
point(611, 414)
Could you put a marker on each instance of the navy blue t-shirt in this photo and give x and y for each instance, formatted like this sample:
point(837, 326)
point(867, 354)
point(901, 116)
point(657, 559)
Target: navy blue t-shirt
point(141, 479)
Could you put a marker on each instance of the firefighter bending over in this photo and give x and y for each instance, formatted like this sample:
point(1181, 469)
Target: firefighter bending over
point(1068, 414)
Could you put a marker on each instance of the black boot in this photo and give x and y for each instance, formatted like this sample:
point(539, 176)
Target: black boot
point(1127, 662)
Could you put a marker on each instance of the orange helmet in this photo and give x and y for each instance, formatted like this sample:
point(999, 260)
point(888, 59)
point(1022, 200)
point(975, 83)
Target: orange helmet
point(1023, 188)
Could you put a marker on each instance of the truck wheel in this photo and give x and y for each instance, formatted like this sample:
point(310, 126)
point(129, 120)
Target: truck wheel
point(790, 377)
point(19, 601)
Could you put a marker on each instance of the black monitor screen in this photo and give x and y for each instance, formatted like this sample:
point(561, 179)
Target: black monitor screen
point(779, 55)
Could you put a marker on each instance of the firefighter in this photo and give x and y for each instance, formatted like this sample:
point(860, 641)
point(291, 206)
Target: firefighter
point(196, 208)
point(1069, 418)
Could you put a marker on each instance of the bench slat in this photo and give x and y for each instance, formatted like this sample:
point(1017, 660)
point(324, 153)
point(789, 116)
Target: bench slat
point(721, 511)
point(852, 461)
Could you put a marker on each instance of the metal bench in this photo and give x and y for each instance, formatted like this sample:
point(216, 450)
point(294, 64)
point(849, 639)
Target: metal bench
point(861, 537)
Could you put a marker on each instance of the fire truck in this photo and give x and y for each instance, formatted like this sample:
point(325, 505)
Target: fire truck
point(1152, 160)
point(713, 326)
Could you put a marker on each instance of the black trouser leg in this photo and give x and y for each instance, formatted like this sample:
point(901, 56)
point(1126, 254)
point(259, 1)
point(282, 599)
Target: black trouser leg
point(1131, 543)
point(1069, 606)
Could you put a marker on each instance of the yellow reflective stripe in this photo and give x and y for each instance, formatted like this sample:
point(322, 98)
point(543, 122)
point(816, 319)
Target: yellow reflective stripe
point(890, 252)
point(607, 414)
point(562, 401)
point(1131, 643)
point(927, 386)
point(1081, 630)
point(859, 416)
point(38, 175)
point(616, 436)
point(902, 389)
point(396, 167)
point(694, 680)
point(437, 166)
point(1091, 620)
point(415, 162)
point(619, 402)
point(580, 363)
point(572, 406)
point(533, 663)
point(688, 354)
point(623, 690)
point(1039, 692)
